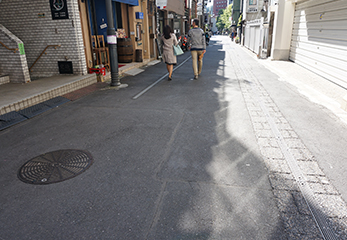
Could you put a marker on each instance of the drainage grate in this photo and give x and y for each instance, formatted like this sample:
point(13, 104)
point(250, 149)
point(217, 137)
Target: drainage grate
point(55, 102)
point(55, 166)
point(34, 110)
point(10, 119)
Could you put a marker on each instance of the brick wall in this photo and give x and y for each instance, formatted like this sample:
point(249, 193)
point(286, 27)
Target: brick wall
point(12, 63)
point(25, 20)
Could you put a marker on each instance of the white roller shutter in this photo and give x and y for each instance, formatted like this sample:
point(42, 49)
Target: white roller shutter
point(319, 39)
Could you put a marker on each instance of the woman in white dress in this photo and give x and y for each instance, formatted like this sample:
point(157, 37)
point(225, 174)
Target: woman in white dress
point(168, 40)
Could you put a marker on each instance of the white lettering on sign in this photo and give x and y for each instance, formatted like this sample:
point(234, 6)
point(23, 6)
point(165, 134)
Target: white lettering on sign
point(112, 39)
point(252, 10)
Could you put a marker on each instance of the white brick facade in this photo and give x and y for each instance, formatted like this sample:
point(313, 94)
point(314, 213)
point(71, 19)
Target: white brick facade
point(25, 20)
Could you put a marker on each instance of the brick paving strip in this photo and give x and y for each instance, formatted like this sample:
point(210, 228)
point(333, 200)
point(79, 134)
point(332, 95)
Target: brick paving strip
point(310, 207)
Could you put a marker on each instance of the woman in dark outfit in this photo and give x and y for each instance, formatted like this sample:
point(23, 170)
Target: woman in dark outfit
point(168, 40)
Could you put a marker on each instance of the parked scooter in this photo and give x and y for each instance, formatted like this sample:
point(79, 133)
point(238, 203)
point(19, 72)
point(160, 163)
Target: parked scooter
point(179, 41)
point(184, 43)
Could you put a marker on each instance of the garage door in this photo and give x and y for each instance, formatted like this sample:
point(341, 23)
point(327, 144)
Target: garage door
point(319, 40)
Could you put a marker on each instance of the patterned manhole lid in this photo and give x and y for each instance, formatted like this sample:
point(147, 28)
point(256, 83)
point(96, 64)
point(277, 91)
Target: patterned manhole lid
point(55, 166)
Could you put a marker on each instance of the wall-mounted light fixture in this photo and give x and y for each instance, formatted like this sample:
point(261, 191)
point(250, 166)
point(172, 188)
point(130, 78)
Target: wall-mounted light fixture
point(138, 32)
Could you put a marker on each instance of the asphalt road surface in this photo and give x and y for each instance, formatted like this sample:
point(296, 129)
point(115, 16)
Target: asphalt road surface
point(236, 154)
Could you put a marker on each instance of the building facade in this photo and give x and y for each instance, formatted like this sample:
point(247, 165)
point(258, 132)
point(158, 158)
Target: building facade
point(43, 38)
point(319, 38)
point(311, 33)
point(218, 5)
point(46, 40)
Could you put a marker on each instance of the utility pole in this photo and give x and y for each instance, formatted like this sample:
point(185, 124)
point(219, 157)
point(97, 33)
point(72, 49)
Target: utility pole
point(112, 44)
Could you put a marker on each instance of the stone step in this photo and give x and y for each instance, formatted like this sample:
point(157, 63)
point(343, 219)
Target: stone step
point(36, 92)
point(4, 79)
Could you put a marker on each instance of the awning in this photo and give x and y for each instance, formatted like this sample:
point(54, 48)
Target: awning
point(130, 2)
point(176, 6)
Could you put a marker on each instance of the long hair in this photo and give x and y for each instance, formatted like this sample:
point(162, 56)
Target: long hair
point(167, 32)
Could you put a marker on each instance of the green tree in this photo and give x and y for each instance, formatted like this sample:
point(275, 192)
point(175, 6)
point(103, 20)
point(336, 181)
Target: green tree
point(224, 18)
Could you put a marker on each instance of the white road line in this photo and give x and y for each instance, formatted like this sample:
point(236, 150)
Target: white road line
point(156, 82)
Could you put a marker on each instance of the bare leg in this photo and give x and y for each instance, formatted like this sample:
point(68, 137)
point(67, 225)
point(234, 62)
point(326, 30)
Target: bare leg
point(170, 68)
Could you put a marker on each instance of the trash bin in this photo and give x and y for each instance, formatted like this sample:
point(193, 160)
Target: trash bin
point(138, 55)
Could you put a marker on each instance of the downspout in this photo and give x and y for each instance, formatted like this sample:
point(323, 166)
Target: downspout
point(153, 30)
point(89, 29)
point(242, 25)
point(144, 39)
point(128, 21)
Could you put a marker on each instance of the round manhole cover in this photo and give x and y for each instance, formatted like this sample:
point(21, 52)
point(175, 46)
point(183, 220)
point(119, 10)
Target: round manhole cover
point(55, 166)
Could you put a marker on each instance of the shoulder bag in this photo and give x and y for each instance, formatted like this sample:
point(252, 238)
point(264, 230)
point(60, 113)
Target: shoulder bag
point(177, 50)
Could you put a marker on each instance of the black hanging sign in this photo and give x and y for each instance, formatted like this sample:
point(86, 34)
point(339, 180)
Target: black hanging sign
point(59, 9)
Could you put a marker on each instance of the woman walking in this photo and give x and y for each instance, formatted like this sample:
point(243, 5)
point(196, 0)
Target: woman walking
point(168, 40)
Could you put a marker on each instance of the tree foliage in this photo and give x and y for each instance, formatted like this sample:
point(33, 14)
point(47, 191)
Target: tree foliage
point(224, 18)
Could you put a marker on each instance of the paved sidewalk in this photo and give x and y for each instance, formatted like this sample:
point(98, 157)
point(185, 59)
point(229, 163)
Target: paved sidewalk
point(316, 88)
point(15, 97)
point(295, 174)
point(329, 97)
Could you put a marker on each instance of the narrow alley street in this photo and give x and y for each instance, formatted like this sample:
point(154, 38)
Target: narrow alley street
point(237, 154)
